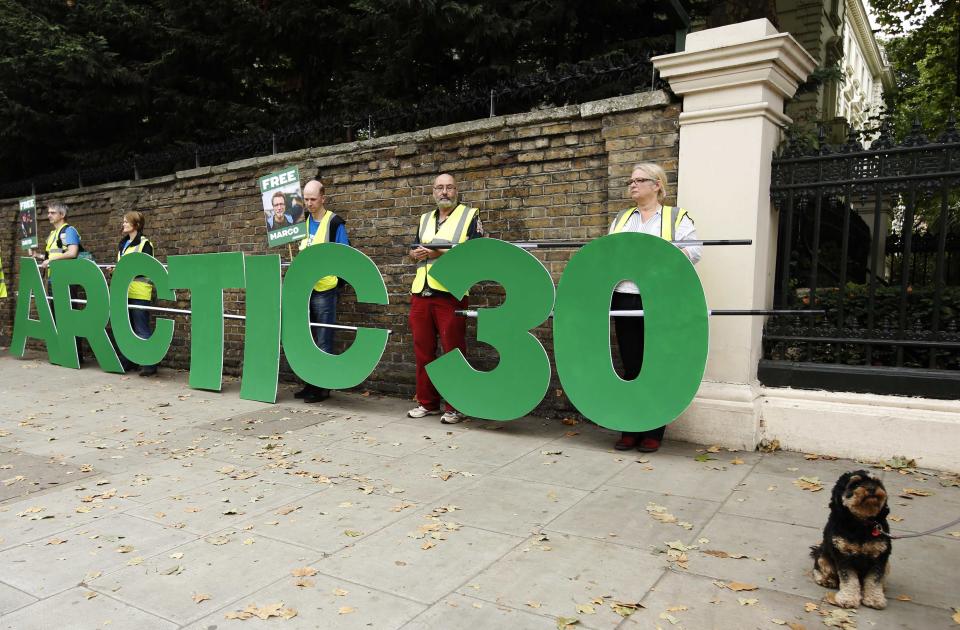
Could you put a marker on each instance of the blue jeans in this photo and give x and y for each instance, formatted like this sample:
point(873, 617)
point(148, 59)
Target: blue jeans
point(323, 310)
point(140, 320)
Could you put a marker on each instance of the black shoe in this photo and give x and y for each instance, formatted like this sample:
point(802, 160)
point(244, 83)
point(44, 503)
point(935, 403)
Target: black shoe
point(303, 392)
point(318, 394)
point(148, 371)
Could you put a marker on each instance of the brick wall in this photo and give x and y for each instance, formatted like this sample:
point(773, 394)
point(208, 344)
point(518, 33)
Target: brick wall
point(552, 174)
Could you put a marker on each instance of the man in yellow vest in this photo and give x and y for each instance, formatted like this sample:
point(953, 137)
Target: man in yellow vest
point(323, 226)
point(432, 307)
point(3, 285)
point(63, 243)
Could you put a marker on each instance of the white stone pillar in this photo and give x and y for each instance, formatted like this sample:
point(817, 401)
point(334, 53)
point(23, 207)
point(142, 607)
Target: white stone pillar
point(734, 81)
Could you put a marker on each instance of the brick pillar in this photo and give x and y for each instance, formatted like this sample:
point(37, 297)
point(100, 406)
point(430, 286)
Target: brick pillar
point(734, 81)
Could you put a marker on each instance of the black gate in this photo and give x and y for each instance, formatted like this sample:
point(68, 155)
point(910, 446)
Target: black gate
point(871, 236)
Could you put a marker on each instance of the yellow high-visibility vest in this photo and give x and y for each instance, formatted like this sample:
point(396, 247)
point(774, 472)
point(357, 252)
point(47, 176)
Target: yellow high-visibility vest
point(453, 231)
point(53, 251)
point(3, 285)
point(322, 235)
point(670, 218)
point(139, 290)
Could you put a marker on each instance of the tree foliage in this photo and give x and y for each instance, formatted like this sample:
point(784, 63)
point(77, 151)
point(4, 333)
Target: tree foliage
point(83, 82)
point(924, 51)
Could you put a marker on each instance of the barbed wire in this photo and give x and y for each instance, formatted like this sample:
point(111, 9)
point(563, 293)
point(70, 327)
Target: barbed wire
point(593, 79)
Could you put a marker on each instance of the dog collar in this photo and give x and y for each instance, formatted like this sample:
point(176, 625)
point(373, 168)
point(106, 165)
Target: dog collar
point(876, 531)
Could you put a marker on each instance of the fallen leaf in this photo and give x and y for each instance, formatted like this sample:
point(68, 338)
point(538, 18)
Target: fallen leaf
point(954, 534)
point(533, 604)
point(810, 607)
point(740, 586)
point(217, 540)
point(429, 544)
point(896, 519)
point(339, 592)
point(917, 493)
point(124, 548)
point(747, 602)
point(737, 461)
point(304, 583)
point(352, 533)
point(176, 556)
point(304, 572)
point(703, 457)
point(346, 610)
point(56, 541)
point(286, 510)
point(668, 617)
point(565, 622)
point(956, 616)
point(841, 618)
point(586, 609)
point(808, 483)
point(904, 598)
point(174, 570)
point(677, 609)
point(200, 597)
point(722, 554)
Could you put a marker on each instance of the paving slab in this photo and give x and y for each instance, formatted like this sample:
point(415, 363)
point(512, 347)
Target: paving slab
point(49, 566)
point(560, 573)
point(11, 599)
point(320, 602)
point(570, 466)
point(479, 445)
point(23, 474)
point(620, 515)
point(223, 504)
point(165, 584)
point(512, 506)
point(331, 520)
point(394, 559)
point(424, 478)
point(82, 609)
point(684, 476)
point(456, 612)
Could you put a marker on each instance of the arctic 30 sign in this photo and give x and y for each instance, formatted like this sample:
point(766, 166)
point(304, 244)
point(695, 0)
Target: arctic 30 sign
point(675, 317)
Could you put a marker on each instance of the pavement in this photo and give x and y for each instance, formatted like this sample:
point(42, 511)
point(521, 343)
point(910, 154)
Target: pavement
point(128, 503)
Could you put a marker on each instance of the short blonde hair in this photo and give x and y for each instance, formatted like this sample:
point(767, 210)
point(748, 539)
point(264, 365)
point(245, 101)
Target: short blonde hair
point(134, 218)
point(655, 172)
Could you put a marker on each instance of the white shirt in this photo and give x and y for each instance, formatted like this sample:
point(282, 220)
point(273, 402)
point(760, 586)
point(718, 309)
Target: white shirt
point(685, 232)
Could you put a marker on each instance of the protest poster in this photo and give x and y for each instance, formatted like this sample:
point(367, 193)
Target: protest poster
point(283, 207)
point(27, 219)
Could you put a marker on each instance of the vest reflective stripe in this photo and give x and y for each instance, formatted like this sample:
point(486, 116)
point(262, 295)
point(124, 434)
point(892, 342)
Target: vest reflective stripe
point(453, 231)
point(3, 285)
point(323, 231)
point(668, 228)
point(139, 289)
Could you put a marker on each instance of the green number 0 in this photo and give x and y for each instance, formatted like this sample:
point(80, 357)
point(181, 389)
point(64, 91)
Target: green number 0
point(675, 332)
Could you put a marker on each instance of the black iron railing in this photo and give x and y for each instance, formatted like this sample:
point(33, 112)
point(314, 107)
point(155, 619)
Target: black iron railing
point(872, 236)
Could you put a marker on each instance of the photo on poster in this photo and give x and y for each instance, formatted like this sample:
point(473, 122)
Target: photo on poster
point(27, 220)
point(283, 207)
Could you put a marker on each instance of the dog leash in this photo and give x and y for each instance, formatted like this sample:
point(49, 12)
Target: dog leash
point(879, 532)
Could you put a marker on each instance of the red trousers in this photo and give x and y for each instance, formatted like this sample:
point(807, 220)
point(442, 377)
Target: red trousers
point(430, 317)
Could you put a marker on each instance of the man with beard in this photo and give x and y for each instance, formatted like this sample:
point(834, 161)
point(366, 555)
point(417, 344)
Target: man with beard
point(432, 307)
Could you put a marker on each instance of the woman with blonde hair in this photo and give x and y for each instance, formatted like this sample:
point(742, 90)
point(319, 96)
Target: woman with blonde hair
point(648, 190)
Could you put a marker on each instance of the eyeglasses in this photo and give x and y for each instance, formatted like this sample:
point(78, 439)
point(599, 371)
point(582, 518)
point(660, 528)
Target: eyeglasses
point(443, 188)
point(640, 180)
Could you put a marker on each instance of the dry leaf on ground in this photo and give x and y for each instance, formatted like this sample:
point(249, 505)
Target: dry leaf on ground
point(716, 553)
point(917, 493)
point(740, 586)
point(303, 572)
point(200, 597)
point(808, 483)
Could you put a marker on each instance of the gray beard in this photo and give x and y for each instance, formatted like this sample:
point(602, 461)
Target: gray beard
point(446, 204)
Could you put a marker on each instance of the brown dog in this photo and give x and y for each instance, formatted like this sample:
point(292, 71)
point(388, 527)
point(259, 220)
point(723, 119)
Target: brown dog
point(855, 551)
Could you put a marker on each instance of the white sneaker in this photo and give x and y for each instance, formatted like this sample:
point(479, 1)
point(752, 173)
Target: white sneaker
point(452, 417)
point(422, 411)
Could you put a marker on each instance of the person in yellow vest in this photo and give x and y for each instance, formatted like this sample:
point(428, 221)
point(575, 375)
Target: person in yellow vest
point(63, 243)
point(140, 292)
point(432, 307)
point(3, 285)
point(648, 189)
point(323, 226)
